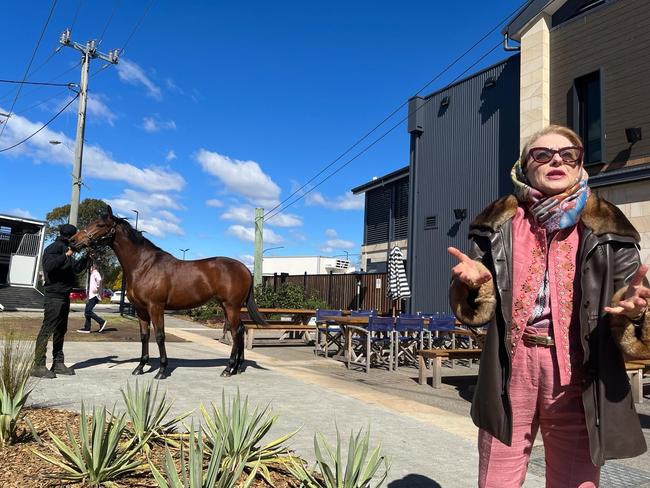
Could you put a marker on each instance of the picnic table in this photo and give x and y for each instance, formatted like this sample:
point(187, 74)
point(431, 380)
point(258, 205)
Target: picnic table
point(293, 323)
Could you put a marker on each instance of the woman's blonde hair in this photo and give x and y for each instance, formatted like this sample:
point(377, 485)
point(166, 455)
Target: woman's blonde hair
point(551, 129)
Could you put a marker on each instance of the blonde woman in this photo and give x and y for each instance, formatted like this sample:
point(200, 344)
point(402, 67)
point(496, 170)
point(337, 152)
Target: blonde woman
point(556, 272)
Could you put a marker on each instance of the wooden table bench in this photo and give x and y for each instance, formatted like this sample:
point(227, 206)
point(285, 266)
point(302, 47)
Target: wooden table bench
point(297, 315)
point(635, 370)
point(286, 328)
point(437, 355)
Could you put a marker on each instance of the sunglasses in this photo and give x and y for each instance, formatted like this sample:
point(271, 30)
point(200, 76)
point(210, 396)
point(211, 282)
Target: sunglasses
point(571, 155)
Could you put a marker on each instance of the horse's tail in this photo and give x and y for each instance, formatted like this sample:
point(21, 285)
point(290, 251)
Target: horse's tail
point(252, 308)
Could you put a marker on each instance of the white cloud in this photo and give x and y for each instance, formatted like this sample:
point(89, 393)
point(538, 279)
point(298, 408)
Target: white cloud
point(153, 216)
point(171, 155)
point(20, 212)
point(247, 234)
point(247, 259)
point(347, 201)
point(246, 214)
point(153, 124)
point(213, 202)
point(331, 233)
point(129, 72)
point(297, 235)
point(97, 162)
point(173, 87)
point(245, 178)
point(98, 109)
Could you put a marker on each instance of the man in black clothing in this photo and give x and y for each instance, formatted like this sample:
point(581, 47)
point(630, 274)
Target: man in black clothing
point(59, 268)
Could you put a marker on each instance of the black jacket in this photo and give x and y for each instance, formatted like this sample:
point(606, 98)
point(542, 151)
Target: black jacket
point(607, 259)
point(59, 270)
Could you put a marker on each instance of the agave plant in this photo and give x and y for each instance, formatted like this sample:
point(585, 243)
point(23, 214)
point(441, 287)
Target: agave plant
point(147, 414)
point(242, 430)
point(357, 471)
point(221, 472)
point(16, 362)
point(98, 457)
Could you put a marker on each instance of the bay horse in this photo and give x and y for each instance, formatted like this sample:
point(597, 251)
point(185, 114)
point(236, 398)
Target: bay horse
point(157, 281)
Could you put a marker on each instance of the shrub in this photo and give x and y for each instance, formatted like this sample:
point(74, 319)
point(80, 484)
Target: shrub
point(288, 295)
point(16, 362)
point(147, 413)
point(240, 430)
point(97, 457)
point(357, 471)
point(221, 472)
point(208, 311)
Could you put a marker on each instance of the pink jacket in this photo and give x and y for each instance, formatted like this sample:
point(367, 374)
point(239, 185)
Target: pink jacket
point(530, 253)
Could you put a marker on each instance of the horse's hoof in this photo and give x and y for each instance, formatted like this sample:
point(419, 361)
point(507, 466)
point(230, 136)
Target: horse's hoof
point(160, 375)
point(137, 371)
point(226, 373)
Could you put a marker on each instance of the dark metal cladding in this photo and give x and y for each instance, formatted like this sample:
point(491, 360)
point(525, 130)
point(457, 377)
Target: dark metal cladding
point(464, 141)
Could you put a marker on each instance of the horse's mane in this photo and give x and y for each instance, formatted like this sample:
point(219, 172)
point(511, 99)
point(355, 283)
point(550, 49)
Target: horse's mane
point(135, 236)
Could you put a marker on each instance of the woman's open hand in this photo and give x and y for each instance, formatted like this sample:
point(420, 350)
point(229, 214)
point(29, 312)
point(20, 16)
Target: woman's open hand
point(467, 270)
point(635, 301)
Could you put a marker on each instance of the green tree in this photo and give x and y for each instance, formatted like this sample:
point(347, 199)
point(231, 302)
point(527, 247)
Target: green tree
point(90, 209)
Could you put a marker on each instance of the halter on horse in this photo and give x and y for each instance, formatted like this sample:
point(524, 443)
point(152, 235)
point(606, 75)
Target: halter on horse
point(157, 281)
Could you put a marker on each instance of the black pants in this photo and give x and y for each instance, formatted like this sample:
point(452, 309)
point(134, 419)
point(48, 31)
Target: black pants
point(55, 323)
point(88, 312)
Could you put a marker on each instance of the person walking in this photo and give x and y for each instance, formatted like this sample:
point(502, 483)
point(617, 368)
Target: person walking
point(555, 271)
point(94, 297)
point(59, 269)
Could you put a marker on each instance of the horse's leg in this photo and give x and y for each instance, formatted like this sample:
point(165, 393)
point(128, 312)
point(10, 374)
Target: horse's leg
point(237, 333)
point(158, 318)
point(144, 338)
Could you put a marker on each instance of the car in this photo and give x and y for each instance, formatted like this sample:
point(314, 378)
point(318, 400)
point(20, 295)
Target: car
point(117, 297)
point(78, 294)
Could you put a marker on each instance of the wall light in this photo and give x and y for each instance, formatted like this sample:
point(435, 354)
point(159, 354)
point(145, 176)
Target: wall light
point(491, 81)
point(460, 213)
point(633, 134)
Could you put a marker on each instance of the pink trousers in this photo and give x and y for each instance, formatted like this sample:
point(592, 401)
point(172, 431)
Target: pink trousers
point(539, 402)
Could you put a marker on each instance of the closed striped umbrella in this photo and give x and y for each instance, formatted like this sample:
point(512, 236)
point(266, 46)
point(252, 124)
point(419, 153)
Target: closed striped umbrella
point(398, 286)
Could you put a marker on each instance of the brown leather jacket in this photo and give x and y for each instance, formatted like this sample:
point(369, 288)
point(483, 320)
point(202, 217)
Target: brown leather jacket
point(607, 259)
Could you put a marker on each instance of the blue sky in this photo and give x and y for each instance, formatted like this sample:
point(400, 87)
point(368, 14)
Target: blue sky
point(218, 107)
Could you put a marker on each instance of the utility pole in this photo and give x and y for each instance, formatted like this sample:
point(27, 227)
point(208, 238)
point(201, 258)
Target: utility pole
point(259, 242)
point(88, 52)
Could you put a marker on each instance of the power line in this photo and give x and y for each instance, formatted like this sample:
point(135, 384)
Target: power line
point(20, 87)
point(367, 134)
point(39, 83)
point(130, 36)
point(373, 143)
point(76, 13)
point(108, 22)
point(42, 127)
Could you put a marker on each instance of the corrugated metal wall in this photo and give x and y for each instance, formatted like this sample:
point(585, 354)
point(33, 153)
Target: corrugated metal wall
point(461, 160)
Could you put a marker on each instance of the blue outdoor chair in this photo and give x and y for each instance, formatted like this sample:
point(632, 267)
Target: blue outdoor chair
point(329, 335)
point(363, 313)
point(372, 344)
point(409, 338)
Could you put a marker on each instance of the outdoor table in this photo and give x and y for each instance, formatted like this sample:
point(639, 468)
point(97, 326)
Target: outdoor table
point(298, 315)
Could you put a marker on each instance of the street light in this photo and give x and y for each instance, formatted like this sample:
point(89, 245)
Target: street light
point(184, 251)
point(136, 218)
point(271, 249)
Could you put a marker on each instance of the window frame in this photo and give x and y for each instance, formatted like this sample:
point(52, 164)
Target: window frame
point(579, 115)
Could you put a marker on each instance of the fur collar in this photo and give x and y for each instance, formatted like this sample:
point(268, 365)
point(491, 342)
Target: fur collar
point(598, 215)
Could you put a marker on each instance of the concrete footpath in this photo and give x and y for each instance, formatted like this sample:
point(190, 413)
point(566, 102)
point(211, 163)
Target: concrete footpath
point(429, 444)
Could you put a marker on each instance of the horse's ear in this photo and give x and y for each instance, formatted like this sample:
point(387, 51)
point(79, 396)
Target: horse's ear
point(109, 211)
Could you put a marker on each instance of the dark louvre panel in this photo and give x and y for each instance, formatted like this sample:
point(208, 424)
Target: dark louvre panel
point(402, 210)
point(377, 211)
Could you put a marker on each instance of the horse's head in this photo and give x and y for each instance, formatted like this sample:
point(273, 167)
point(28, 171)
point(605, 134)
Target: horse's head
point(98, 232)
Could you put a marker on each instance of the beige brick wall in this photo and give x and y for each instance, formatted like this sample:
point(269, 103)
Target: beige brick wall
point(634, 201)
point(534, 91)
point(378, 252)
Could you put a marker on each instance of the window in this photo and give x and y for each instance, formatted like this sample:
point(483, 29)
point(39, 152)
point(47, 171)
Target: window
point(587, 115)
point(5, 233)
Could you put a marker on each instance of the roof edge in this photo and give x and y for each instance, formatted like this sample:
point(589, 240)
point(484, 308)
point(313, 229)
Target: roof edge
point(382, 180)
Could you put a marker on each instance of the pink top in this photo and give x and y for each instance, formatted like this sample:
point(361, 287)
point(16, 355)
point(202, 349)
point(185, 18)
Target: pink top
point(95, 286)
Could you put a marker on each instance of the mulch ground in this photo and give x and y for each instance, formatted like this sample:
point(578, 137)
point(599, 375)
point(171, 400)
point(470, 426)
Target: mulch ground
point(20, 467)
point(119, 329)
